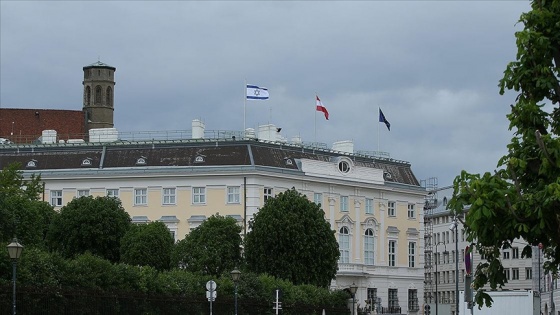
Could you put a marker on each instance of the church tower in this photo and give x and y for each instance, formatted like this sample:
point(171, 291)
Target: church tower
point(99, 87)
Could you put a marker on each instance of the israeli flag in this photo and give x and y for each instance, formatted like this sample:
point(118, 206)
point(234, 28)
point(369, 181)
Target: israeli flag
point(256, 93)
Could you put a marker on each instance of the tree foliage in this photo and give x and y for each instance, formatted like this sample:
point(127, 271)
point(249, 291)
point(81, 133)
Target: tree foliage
point(290, 239)
point(147, 245)
point(23, 214)
point(212, 248)
point(522, 198)
point(88, 224)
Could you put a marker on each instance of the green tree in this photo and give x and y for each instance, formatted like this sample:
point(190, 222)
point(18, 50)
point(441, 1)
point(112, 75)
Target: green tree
point(290, 239)
point(212, 248)
point(23, 215)
point(522, 197)
point(88, 224)
point(147, 245)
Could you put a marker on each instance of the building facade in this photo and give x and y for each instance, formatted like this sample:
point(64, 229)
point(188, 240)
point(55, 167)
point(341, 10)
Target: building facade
point(445, 256)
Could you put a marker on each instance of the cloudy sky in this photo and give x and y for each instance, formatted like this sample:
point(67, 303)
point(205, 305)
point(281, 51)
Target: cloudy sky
point(432, 66)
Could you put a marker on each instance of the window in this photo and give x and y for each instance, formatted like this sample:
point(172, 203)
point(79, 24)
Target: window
point(344, 243)
point(391, 211)
point(140, 196)
point(344, 167)
point(514, 273)
point(83, 192)
point(109, 100)
point(344, 203)
point(368, 247)
point(169, 196)
point(392, 253)
point(528, 273)
point(393, 299)
point(56, 198)
point(412, 254)
point(233, 194)
point(371, 297)
point(507, 274)
point(199, 195)
point(411, 214)
point(413, 300)
point(97, 95)
point(515, 253)
point(88, 96)
point(113, 193)
point(369, 206)
point(318, 198)
point(267, 193)
point(506, 255)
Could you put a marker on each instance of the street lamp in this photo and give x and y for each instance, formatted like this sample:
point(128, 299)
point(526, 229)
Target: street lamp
point(454, 225)
point(353, 288)
point(437, 275)
point(235, 275)
point(14, 251)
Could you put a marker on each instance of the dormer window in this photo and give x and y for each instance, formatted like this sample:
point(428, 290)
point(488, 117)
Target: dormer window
point(288, 161)
point(31, 164)
point(199, 159)
point(86, 162)
point(387, 175)
point(141, 161)
point(344, 166)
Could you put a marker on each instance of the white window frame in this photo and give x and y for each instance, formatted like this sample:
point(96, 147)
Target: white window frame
point(169, 196)
point(56, 198)
point(82, 193)
point(343, 203)
point(369, 247)
point(392, 250)
point(112, 193)
point(344, 245)
point(267, 193)
point(140, 196)
point(199, 195)
point(233, 194)
point(391, 209)
point(318, 198)
point(411, 211)
point(369, 206)
point(412, 254)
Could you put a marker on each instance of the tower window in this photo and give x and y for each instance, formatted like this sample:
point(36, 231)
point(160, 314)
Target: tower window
point(109, 96)
point(88, 96)
point(97, 95)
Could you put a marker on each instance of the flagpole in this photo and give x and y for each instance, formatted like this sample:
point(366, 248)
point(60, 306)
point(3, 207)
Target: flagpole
point(315, 119)
point(244, 106)
point(378, 115)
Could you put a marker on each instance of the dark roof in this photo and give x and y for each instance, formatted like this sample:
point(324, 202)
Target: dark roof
point(227, 153)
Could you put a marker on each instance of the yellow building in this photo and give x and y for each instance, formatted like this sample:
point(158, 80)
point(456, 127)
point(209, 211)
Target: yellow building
point(374, 204)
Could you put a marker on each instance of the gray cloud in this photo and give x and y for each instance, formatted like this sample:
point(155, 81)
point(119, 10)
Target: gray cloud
point(433, 67)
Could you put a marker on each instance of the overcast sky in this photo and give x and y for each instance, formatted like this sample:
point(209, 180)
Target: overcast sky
point(432, 66)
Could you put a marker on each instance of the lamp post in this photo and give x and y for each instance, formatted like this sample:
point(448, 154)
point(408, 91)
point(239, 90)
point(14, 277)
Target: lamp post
point(14, 250)
point(353, 288)
point(437, 275)
point(235, 275)
point(454, 225)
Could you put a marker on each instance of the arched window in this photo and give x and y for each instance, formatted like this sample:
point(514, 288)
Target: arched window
point(97, 95)
point(87, 96)
point(368, 247)
point(344, 245)
point(109, 100)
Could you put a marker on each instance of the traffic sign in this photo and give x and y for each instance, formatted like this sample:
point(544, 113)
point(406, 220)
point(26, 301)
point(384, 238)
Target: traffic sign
point(211, 285)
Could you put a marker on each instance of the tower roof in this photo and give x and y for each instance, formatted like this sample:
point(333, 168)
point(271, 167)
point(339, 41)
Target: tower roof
point(99, 64)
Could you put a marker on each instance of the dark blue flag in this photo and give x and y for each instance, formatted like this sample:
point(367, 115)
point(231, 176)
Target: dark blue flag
point(384, 120)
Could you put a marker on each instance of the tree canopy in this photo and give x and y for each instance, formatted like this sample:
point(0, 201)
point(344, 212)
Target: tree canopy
point(214, 247)
point(521, 198)
point(23, 215)
point(88, 224)
point(147, 245)
point(290, 239)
